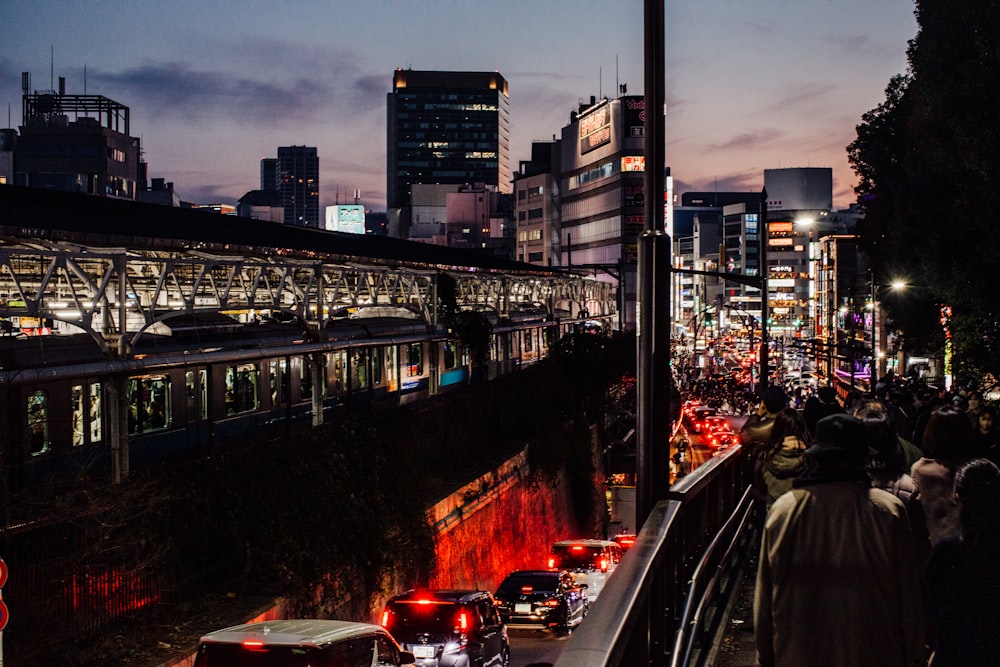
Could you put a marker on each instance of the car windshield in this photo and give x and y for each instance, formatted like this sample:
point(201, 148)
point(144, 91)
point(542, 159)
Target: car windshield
point(407, 618)
point(527, 583)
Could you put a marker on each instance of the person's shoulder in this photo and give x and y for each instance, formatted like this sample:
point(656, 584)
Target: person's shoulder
point(886, 500)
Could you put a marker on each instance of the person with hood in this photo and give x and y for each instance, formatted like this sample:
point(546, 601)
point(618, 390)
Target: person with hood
point(838, 580)
point(781, 458)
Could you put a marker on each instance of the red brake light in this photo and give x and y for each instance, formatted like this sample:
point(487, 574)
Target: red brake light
point(551, 602)
point(385, 618)
point(603, 564)
point(552, 563)
point(463, 621)
point(577, 548)
point(527, 589)
point(253, 645)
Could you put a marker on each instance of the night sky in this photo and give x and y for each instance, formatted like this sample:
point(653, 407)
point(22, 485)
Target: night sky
point(215, 85)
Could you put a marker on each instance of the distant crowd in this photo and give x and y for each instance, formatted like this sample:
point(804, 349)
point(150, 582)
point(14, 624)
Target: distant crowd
point(880, 539)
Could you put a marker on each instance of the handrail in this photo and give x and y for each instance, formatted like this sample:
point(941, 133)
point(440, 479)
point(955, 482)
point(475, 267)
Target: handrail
point(634, 619)
point(602, 639)
point(691, 619)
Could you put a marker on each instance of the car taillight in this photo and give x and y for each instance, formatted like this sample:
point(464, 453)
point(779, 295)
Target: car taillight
point(552, 563)
point(603, 564)
point(551, 602)
point(526, 590)
point(253, 645)
point(385, 618)
point(463, 621)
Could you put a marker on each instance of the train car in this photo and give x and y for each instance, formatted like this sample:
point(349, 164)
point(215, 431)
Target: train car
point(195, 385)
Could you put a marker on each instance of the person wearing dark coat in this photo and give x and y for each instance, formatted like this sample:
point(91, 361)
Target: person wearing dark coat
point(822, 404)
point(962, 576)
point(838, 581)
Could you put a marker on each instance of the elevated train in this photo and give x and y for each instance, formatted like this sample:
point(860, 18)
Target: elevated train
point(145, 376)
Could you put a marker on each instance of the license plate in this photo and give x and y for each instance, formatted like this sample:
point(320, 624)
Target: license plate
point(522, 608)
point(423, 651)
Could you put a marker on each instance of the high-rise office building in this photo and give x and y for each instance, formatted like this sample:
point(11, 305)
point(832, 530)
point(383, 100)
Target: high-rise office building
point(445, 128)
point(297, 179)
point(268, 171)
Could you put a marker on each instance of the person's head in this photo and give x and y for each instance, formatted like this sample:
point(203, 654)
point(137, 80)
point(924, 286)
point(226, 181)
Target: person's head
point(977, 490)
point(986, 419)
point(949, 435)
point(827, 394)
point(886, 454)
point(975, 400)
point(774, 399)
point(788, 422)
point(839, 450)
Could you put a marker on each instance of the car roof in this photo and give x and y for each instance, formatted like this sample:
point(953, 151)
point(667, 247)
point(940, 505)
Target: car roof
point(536, 573)
point(293, 632)
point(585, 543)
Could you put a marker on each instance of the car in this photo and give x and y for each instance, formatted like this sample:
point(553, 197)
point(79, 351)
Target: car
point(301, 643)
point(590, 561)
point(542, 600)
point(721, 439)
point(449, 628)
point(625, 541)
point(716, 424)
point(695, 418)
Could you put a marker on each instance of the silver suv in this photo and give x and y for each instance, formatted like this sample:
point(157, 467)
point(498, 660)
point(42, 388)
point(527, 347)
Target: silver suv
point(300, 643)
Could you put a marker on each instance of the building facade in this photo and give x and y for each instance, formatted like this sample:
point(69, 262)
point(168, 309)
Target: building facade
point(602, 198)
point(445, 128)
point(76, 143)
point(297, 179)
point(536, 206)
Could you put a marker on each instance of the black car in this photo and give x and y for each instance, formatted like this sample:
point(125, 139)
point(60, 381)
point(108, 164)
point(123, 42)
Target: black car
point(449, 628)
point(542, 599)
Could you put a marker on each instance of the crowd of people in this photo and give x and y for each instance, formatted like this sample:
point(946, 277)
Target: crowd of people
point(880, 539)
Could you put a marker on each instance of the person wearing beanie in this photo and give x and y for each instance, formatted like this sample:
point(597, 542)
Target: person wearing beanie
point(838, 580)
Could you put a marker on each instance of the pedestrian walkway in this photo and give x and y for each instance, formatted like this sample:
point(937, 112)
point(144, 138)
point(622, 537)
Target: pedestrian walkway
point(736, 649)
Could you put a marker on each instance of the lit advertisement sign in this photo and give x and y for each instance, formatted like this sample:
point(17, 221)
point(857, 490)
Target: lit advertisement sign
point(634, 163)
point(635, 116)
point(349, 218)
point(781, 227)
point(595, 128)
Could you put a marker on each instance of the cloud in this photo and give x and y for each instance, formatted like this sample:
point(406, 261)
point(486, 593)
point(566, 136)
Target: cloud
point(748, 139)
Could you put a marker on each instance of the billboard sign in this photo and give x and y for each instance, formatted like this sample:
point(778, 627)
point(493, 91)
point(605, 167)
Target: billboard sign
point(349, 218)
point(595, 128)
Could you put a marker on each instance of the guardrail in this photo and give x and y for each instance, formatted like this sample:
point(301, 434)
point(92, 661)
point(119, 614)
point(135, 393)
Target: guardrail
point(640, 609)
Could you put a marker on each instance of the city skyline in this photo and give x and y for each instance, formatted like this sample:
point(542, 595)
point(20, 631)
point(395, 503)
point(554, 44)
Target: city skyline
point(214, 88)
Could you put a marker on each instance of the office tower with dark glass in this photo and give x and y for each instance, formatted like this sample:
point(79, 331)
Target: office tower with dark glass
point(446, 128)
point(297, 179)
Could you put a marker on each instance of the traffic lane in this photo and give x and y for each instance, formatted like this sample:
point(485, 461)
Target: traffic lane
point(534, 648)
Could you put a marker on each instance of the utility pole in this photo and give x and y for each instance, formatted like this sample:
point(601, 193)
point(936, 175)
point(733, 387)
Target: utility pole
point(653, 307)
point(763, 234)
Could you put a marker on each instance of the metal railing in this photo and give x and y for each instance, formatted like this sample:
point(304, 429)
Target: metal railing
point(636, 618)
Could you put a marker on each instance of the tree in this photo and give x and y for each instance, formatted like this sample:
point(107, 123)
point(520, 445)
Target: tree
point(928, 161)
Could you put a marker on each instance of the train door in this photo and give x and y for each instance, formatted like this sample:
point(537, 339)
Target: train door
point(196, 404)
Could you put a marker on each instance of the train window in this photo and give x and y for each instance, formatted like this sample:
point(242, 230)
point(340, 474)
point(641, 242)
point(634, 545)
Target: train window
point(86, 413)
point(196, 394)
point(449, 357)
point(241, 388)
point(76, 396)
point(305, 379)
point(376, 357)
point(95, 412)
point(279, 370)
point(529, 341)
point(339, 370)
point(38, 422)
point(414, 360)
point(359, 369)
point(149, 403)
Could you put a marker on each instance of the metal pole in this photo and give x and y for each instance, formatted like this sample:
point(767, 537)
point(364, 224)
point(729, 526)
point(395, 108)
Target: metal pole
point(653, 307)
point(763, 234)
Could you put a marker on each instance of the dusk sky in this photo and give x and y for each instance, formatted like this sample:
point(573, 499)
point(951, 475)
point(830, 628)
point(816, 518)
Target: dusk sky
point(216, 85)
